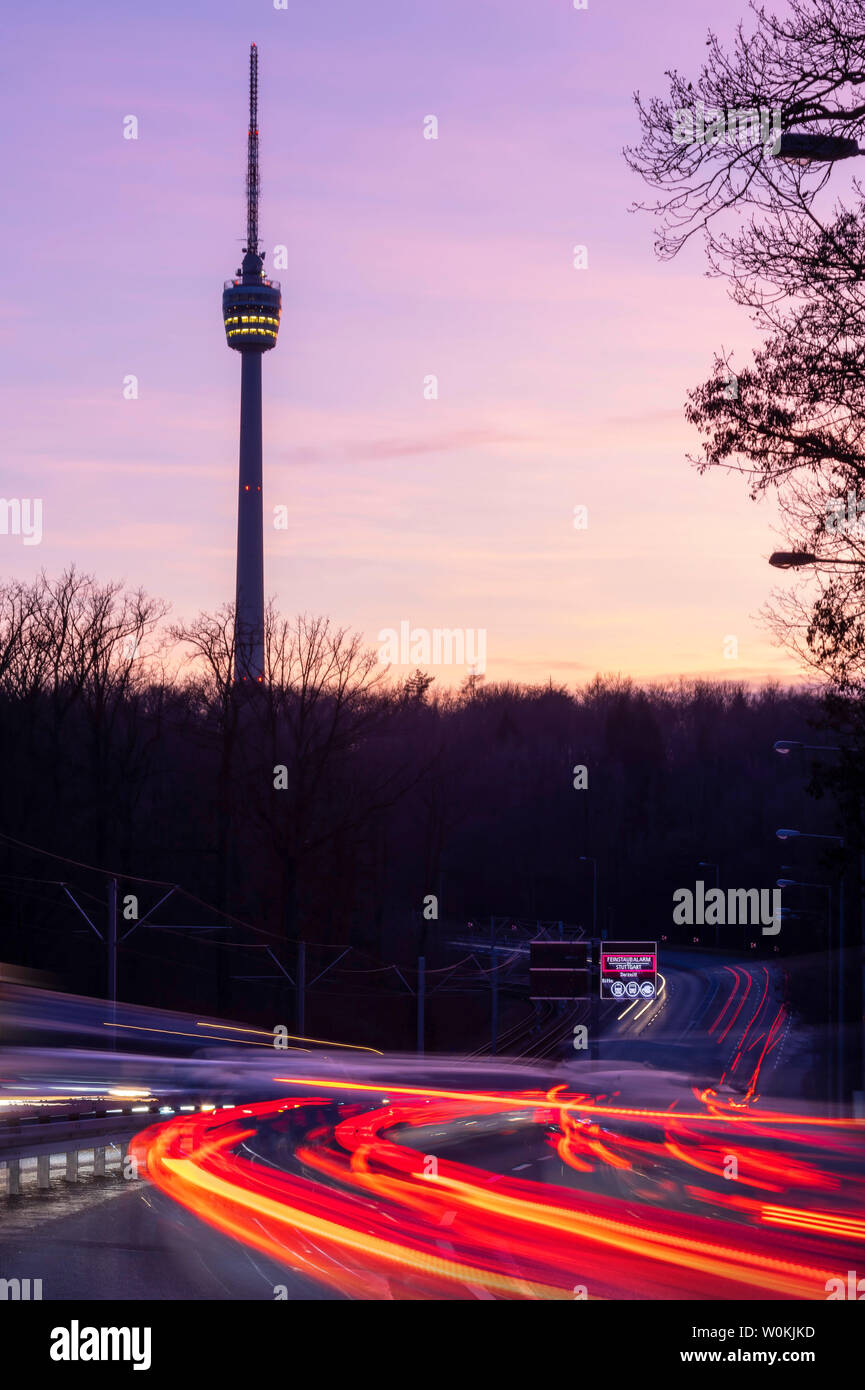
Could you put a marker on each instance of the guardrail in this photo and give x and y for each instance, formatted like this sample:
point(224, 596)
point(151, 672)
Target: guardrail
point(44, 1137)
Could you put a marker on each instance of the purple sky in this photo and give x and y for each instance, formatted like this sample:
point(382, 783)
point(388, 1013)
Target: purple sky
point(406, 257)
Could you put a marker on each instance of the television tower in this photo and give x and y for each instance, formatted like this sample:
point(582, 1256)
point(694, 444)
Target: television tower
point(251, 310)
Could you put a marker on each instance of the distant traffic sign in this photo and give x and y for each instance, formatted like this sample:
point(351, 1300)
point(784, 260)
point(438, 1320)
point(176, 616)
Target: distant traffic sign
point(558, 970)
point(629, 969)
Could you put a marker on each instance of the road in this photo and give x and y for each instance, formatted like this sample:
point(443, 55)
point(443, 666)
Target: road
point(680, 1166)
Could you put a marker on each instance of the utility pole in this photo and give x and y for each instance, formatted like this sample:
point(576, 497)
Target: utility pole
point(421, 999)
point(707, 864)
point(111, 940)
point(841, 1070)
point(831, 1083)
point(594, 1002)
point(588, 859)
point(494, 986)
point(300, 988)
point(859, 1089)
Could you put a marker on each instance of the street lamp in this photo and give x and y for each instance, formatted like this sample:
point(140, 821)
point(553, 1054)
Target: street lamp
point(826, 888)
point(791, 559)
point(804, 148)
point(801, 147)
point(799, 559)
point(786, 746)
point(798, 883)
point(838, 840)
point(808, 835)
point(790, 745)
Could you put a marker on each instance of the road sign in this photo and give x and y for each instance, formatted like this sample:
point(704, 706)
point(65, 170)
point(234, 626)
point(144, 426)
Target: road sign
point(629, 969)
point(558, 970)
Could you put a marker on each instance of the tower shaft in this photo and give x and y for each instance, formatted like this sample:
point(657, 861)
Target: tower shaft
point(251, 307)
point(249, 601)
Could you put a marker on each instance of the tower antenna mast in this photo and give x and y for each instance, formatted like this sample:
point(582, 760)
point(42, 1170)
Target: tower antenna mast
point(252, 185)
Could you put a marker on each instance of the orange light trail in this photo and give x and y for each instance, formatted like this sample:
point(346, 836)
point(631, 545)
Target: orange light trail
point(526, 1100)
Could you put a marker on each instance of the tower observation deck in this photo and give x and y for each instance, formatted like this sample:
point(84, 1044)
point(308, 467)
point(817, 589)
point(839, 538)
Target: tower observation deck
point(251, 307)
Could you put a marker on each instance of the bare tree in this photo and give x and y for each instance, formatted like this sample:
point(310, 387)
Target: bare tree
point(322, 710)
point(791, 422)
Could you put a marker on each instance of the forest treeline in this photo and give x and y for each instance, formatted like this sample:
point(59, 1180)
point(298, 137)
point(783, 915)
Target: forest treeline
point(329, 804)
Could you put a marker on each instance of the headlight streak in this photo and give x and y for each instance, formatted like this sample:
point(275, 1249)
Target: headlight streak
point(180, 1033)
point(298, 1037)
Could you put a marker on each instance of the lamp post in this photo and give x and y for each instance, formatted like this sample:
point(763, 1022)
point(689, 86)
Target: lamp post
point(801, 559)
point(827, 888)
point(706, 864)
point(786, 746)
point(787, 834)
point(587, 859)
point(805, 147)
point(594, 1002)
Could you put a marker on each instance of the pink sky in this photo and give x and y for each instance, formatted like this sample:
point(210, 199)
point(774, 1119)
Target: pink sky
point(407, 257)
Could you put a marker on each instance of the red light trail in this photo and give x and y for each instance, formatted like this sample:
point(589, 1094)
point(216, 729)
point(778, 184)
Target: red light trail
point(372, 1217)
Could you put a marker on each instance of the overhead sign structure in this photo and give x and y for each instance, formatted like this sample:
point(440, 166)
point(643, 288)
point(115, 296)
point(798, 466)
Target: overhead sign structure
point(558, 970)
point(629, 970)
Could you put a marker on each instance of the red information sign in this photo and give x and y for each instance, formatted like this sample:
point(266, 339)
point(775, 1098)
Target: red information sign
point(629, 970)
